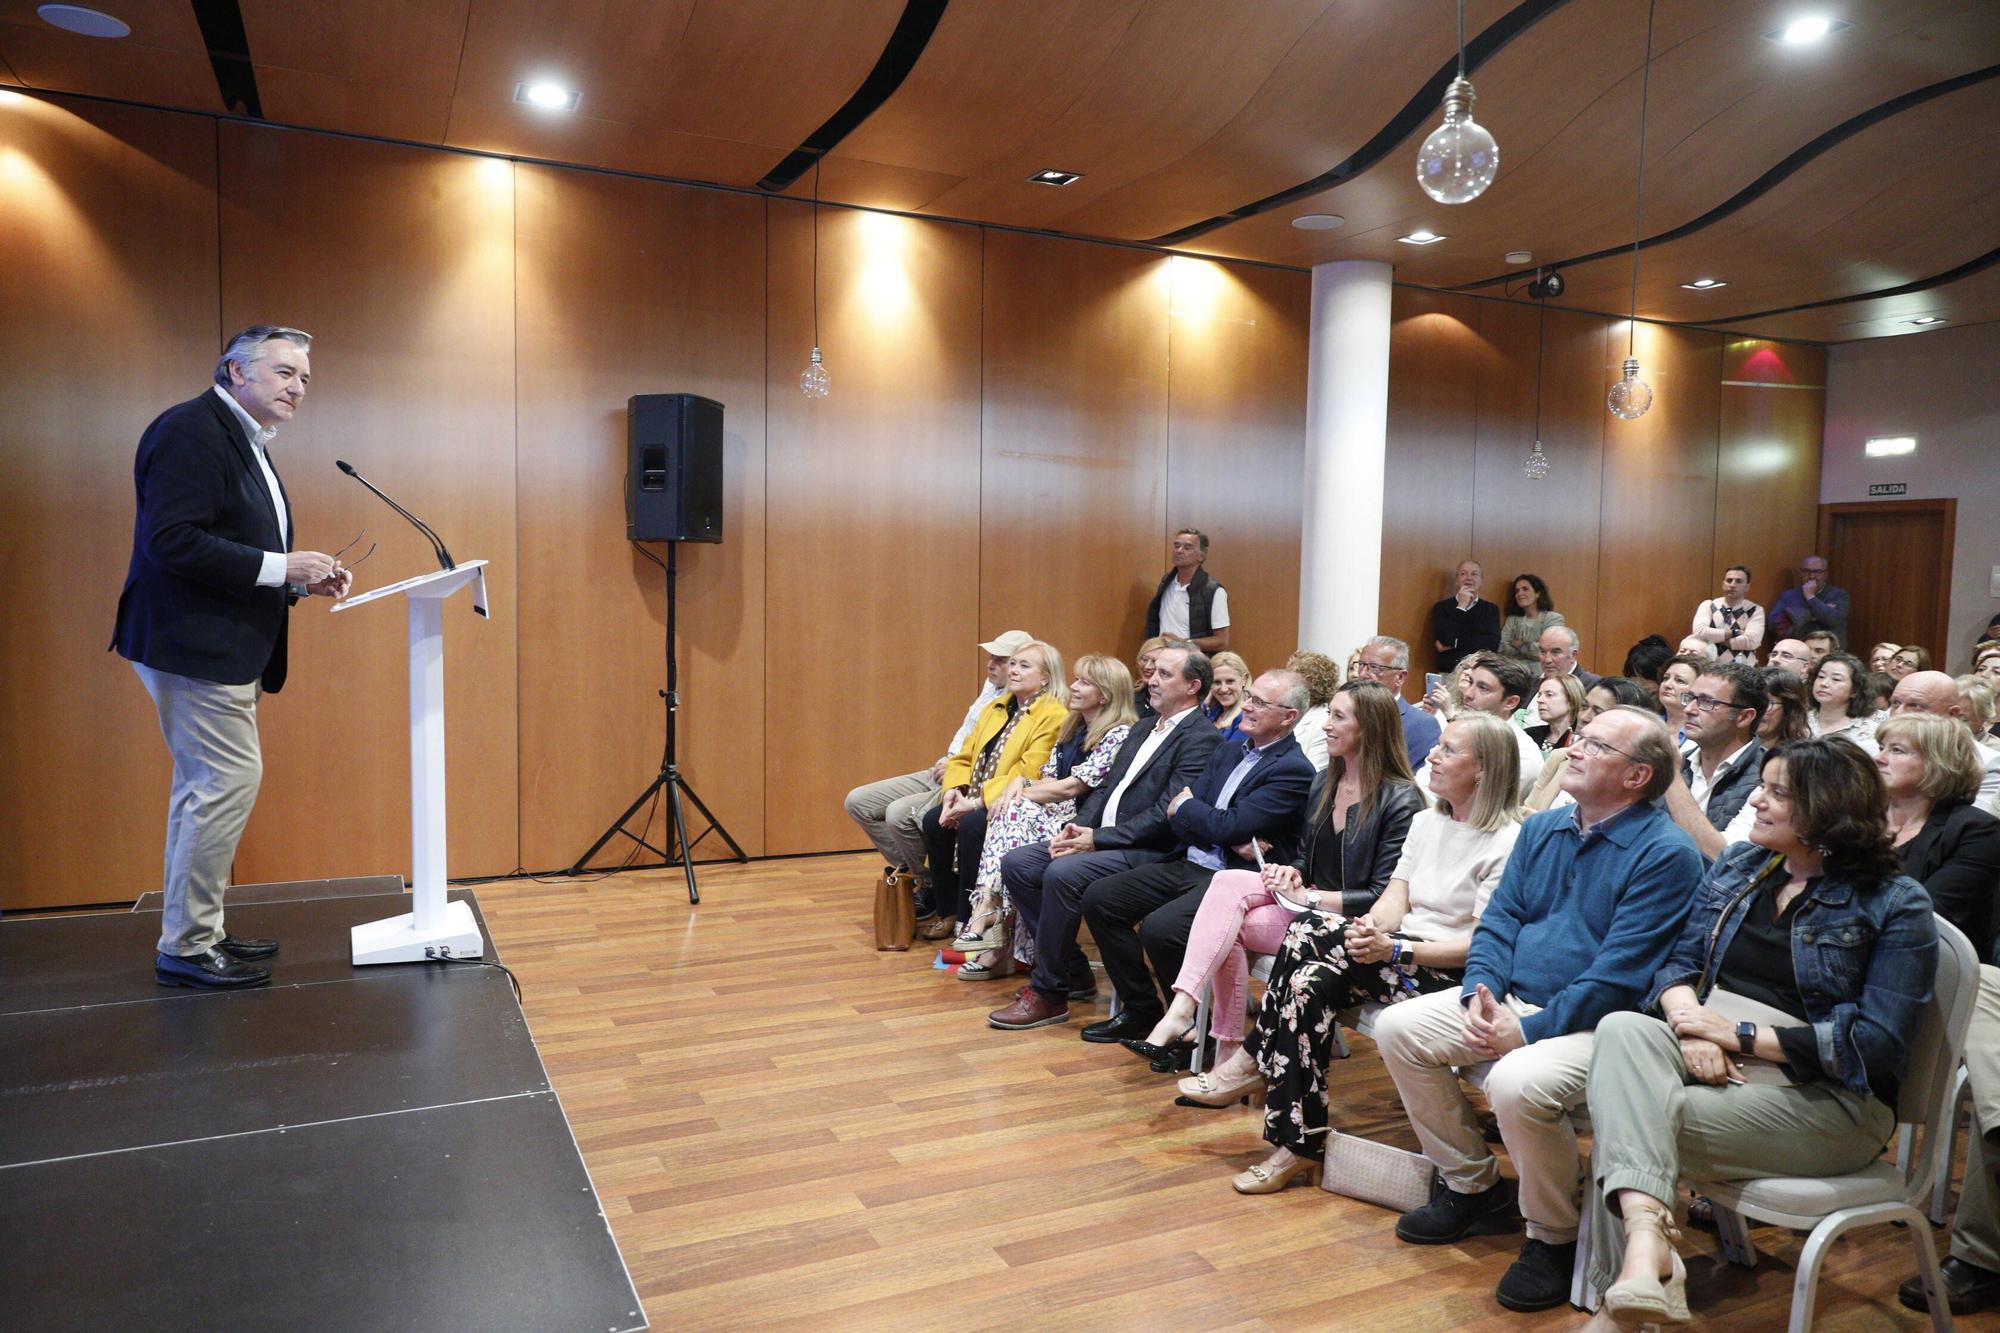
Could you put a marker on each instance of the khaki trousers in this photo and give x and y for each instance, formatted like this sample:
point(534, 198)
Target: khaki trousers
point(211, 732)
point(891, 813)
point(1532, 1091)
point(1975, 1232)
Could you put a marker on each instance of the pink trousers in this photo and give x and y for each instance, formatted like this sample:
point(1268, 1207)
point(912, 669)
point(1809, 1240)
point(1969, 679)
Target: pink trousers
point(1237, 914)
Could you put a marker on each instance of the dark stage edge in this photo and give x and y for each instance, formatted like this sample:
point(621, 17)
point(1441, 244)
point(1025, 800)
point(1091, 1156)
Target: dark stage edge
point(367, 1148)
point(291, 890)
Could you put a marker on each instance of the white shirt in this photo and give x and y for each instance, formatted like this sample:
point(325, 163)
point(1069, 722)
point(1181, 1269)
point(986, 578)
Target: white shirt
point(1699, 785)
point(272, 575)
point(1310, 733)
point(1174, 609)
point(1989, 780)
point(986, 696)
point(1154, 740)
point(1452, 869)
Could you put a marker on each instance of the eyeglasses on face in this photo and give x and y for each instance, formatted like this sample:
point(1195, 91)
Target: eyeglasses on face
point(1596, 749)
point(1706, 703)
point(1250, 700)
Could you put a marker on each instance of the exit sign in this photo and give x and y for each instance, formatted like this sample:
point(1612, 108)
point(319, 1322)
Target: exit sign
point(1889, 488)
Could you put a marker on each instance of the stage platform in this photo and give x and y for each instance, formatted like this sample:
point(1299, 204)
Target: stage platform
point(366, 1148)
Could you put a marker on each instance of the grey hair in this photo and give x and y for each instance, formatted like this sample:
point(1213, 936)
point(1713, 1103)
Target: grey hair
point(1296, 697)
point(248, 346)
point(1575, 639)
point(1393, 644)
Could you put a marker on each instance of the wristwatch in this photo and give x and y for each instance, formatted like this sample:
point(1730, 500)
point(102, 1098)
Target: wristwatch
point(1746, 1037)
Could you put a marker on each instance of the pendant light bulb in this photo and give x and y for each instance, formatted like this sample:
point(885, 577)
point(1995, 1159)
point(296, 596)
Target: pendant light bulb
point(1630, 396)
point(813, 381)
point(1459, 159)
point(1535, 467)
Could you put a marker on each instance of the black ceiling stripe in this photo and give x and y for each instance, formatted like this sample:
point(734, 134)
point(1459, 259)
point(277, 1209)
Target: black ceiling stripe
point(1765, 183)
point(229, 55)
point(1417, 110)
point(899, 57)
point(1965, 270)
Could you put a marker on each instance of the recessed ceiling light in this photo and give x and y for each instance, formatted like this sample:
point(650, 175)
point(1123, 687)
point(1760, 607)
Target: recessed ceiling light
point(83, 22)
point(548, 96)
point(1890, 446)
point(1704, 284)
point(1053, 177)
point(1520, 256)
point(1806, 29)
point(1422, 238)
point(1318, 221)
point(1925, 321)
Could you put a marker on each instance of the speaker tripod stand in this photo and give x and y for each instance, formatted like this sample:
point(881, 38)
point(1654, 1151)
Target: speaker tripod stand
point(669, 779)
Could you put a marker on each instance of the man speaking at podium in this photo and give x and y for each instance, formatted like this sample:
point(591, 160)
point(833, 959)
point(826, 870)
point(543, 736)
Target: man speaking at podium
point(202, 620)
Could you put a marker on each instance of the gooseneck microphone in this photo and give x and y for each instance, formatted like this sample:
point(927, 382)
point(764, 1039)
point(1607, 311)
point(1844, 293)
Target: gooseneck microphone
point(444, 556)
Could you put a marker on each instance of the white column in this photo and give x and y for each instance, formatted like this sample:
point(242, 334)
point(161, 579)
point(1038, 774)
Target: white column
point(1347, 428)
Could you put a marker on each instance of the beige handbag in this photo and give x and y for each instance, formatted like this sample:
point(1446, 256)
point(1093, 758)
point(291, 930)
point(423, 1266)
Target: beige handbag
point(1375, 1172)
point(895, 910)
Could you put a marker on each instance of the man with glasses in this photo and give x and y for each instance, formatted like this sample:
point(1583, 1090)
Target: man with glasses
point(1386, 661)
point(1813, 604)
point(1792, 655)
point(1724, 706)
point(1253, 790)
point(202, 620)
point(1591, 901)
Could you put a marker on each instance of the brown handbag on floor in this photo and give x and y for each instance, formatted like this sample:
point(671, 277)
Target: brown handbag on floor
point(895, 910)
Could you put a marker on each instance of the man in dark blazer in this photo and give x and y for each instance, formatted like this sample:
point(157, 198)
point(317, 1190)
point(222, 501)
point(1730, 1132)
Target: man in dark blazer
point(202, 620)
point(1119, 825)
point(1253, 789)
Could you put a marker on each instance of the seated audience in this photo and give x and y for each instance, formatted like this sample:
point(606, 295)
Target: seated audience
point(1443, 700)
point(1986, 665)
point(1464, 622)
point(1120, 824)
point(1413, 941)
point(1532, 610)
point(1322, 677)
point(1559, 704)
point(1012, 740)
point(1358, 812)
point(1607, 694)
point(1787, 717)
point(891, 811)
point(1791, 655)
point(1590, 902)
point(1716, 778)
point(1936, 693)
point(1386, 661)
point(1697, 648)
point(1251, 796)
point(1879, 655)
point(1931, 776)
point(1909, 658)
point(1558, 650)
point(1975, 702)
point(1881, 689)
point(1225, 696)
point(1841, 706)
point(1821, 643)
point(1676, 680)
point(1644, 662)
point(1731, 625)
point(1143, 661)
point(1100, 717)
point(1497, 685)
point(1827, 1040)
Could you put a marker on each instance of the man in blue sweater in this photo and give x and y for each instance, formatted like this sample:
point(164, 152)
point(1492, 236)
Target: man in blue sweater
point(1591, 901)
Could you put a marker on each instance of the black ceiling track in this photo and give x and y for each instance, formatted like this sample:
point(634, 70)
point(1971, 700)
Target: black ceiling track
point(229, 55)
point(1965, 270)
point(898, 58)
point(1414, 113)
point(1765, 183)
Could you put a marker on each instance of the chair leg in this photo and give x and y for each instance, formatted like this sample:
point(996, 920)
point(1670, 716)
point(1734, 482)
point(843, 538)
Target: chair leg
point(1583, 1293)
point(1200, 1060)
point(1734, 1234)
point(1947, 1138)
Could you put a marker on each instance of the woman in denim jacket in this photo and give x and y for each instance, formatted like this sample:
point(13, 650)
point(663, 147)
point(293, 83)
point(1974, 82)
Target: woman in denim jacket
point(1785, 1012)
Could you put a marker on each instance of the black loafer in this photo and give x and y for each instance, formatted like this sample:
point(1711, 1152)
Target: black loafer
point(1450, 1216)
point(211, 969)
point(1539, 1279)
point(1127, 1024)
point(1968, 1289)
point(247, 949)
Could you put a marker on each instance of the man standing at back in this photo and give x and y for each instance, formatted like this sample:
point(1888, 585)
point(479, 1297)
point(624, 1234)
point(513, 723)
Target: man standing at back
point(1464, 623)
point(202, 620)
point(1814, 604)
point(1188, 603)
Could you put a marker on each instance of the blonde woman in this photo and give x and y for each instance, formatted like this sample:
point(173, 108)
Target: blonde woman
point(1224, 706)
point(1099, 717)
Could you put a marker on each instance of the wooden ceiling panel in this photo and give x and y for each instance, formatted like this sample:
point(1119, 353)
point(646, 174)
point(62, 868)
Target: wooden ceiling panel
point(163, 25)
point(381, 43)
point(850, 180)
point(1973, 300)
point(163, 62)
point(325, 101)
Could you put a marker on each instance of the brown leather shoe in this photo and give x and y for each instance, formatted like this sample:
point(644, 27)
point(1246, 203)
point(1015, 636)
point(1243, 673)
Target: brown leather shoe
point(1031, 1009)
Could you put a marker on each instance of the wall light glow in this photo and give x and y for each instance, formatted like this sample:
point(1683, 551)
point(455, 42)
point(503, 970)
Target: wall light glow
point(1890, 446)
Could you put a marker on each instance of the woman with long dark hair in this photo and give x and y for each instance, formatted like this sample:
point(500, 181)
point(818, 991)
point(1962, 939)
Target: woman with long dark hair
point(1530, 610)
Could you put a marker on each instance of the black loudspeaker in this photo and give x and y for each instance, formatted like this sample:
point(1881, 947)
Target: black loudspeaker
point(673, 468)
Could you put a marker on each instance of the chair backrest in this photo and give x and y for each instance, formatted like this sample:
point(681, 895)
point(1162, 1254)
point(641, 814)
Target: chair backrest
point(1926, 1096)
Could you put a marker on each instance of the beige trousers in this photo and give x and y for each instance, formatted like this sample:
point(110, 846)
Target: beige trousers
point(211, 732)
point(1975, 1232)
point(1532, 1091)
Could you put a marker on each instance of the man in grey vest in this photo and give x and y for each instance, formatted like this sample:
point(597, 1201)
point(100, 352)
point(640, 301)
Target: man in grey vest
point(1188, 603)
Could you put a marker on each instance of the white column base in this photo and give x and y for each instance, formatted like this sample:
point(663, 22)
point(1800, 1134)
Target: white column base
point(396, 939)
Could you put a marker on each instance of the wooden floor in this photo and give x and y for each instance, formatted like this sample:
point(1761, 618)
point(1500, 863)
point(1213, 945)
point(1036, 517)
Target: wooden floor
point(790, 1129)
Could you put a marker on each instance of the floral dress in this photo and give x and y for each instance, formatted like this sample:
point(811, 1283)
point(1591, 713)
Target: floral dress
point(1023, 823)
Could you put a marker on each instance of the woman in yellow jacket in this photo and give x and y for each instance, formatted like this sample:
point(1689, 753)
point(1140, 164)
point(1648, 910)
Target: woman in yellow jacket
point(1012, 739)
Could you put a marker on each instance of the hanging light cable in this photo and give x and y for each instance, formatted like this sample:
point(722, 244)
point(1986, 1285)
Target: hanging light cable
point(1535, 467)
point(1458, 160)
point(813, 381)
point(1631, 396)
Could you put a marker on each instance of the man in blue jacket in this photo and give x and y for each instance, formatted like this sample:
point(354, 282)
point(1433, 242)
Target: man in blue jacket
point(202, 620)
point(1591, 903)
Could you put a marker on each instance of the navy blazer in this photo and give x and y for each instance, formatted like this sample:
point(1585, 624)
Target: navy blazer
point(1956, 857)
point(1269, 803)
point(191, 605)
point(1142, 810)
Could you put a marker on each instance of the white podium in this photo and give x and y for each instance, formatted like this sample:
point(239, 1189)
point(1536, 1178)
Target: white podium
point(437, 927)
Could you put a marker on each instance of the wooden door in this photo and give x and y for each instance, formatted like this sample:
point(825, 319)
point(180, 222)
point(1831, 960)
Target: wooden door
point(1894, 559)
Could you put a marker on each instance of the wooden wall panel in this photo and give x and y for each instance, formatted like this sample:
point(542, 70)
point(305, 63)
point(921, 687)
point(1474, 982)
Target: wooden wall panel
point(400, 263)
point(1427, 495)
point(1073, 483)
point(628, 287)
point(1236, 361)
point(1768, 465)
point(872, 571)
point(1658, 511)
point(107, 318)
point(1546, 527)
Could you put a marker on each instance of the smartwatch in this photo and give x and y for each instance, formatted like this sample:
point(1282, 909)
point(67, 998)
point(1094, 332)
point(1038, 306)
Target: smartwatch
point(1746, 1037)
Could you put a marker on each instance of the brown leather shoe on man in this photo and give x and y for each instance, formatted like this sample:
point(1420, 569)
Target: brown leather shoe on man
point(1031, 1009)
